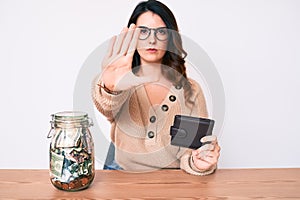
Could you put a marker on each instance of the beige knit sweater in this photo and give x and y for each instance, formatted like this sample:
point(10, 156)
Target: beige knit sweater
point(141, 132)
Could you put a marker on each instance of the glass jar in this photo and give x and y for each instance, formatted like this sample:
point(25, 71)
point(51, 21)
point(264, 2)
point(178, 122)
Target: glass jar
point(72, 163)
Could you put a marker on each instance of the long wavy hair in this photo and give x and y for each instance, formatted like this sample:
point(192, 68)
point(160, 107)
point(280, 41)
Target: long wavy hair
point(173, 63)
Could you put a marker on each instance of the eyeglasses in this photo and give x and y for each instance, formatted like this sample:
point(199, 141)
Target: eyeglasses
point(160, 33)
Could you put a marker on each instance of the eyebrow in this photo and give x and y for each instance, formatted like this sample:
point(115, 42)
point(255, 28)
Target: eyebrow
point(152, 28)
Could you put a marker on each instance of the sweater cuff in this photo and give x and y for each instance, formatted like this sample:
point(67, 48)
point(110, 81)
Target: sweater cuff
point(112, 99)
point(108, 104)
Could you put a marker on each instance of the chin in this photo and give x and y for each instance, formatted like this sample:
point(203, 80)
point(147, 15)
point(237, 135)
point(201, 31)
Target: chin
point(152, 58)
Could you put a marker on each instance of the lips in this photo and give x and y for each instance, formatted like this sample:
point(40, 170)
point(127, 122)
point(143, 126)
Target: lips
point(151, 50)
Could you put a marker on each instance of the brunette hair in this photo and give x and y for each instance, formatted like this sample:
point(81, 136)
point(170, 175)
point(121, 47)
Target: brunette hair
point(173, 63)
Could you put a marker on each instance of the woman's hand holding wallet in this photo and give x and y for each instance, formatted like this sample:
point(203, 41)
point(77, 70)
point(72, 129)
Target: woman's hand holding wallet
point(206, 157)
point(196, 133)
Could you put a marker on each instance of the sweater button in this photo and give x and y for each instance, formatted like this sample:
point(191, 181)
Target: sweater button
point(178, 87)
point(152, 119)
point(172, 98)
point(151, 134)
point(165, 107)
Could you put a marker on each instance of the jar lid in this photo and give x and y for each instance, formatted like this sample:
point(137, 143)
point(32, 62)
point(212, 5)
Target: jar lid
point(70, 116)
point(69, 119)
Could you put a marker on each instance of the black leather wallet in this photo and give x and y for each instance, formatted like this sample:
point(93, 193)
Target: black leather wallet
point(187, 131)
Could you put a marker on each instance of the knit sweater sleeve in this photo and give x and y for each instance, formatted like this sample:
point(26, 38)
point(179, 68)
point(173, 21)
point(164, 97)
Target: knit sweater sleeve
point(108, 104)
point(199, 109)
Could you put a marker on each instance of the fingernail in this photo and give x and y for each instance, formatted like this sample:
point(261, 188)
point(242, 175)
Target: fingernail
point(131, 25)
point(208, 138)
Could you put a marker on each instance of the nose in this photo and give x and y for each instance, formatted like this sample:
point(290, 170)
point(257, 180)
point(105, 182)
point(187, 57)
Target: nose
point(152, 38)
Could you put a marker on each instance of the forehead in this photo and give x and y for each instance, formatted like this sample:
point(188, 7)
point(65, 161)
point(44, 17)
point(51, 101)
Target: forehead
point(150, 19)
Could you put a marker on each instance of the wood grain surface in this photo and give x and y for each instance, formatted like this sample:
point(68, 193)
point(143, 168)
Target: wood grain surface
point(162, 184)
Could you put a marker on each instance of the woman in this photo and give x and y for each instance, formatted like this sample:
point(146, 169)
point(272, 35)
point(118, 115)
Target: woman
point(142, 87)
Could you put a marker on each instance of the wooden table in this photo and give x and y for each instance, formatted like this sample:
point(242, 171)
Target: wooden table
point(163, 184)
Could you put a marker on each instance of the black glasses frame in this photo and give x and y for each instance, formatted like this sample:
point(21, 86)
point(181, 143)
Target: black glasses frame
point(155, 32)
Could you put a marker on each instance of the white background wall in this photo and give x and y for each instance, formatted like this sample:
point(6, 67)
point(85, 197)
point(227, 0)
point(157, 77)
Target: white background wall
point(254, 45)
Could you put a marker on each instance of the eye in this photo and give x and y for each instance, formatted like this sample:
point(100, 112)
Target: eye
point(162, 31)
point(144, 31)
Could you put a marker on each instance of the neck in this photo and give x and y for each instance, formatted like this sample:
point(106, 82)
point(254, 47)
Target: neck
point(147, 69)
point(154, 70)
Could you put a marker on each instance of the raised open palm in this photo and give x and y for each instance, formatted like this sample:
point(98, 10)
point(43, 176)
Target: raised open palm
point(117, 72)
